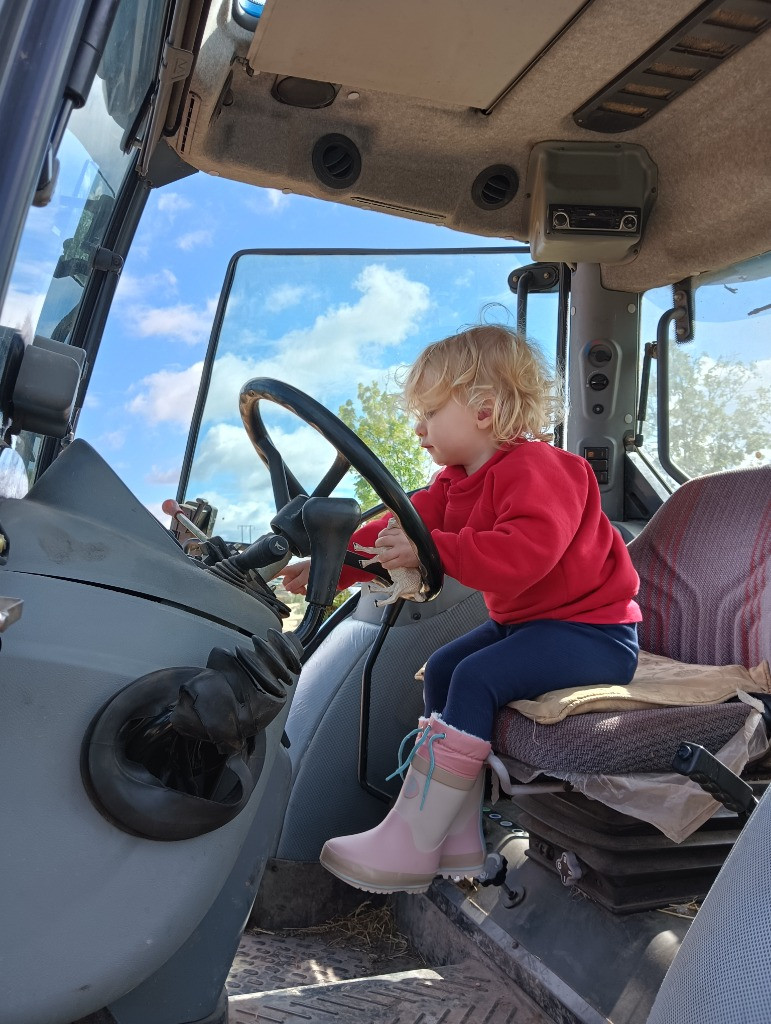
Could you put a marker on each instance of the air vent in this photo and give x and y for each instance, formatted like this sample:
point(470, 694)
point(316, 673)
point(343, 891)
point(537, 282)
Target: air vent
point(409, 211)
point(187, 129)
point(697, 46)
point(336, 161)
point(495, 187)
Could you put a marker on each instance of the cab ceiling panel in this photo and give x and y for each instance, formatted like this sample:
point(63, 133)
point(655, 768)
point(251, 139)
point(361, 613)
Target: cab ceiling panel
point(430, 109)
point(459, 54)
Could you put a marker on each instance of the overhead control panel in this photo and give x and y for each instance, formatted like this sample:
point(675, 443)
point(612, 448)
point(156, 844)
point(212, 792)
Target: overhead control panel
point(589, 202)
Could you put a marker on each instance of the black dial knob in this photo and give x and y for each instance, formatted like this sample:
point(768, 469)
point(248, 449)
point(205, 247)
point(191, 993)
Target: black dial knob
point(599, 355)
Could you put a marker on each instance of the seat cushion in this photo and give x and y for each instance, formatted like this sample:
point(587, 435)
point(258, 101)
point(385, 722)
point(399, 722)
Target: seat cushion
point(658, 682)
point(616, 743)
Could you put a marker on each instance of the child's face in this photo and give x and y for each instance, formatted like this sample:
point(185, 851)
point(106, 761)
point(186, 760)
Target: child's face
point(457, 435)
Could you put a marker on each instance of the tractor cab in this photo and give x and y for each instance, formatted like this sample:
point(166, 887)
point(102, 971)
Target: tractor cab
point(180, 737)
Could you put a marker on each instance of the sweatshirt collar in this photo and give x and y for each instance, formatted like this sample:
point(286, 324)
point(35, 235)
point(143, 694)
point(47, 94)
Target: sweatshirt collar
point(457, 477)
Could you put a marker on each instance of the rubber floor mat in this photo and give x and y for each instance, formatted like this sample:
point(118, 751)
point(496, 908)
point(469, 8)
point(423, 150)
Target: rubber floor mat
point(464, 993)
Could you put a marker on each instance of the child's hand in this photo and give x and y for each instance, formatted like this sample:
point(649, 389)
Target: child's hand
point(394, 550)
point(295, 576)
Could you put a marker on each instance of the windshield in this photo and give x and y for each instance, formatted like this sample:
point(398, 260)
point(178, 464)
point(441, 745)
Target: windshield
point(338, 326)
point(57, 249)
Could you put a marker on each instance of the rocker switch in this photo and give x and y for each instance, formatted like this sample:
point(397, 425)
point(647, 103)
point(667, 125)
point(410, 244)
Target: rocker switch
point(599, 461)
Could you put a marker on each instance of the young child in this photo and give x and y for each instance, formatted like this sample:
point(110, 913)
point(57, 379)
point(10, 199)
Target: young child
point(522, 522)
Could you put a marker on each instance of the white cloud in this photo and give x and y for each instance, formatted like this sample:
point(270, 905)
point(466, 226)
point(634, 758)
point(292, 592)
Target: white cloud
point(246, 518)
point(338, 348)
point(132, 287)
point(155, 507)
point(167, 396)
point(182, 322)
point(172, 203)
point(285, 296)
point(194, 239)
point(342, 346)
point(230, 373)
point(226, 448)
point(248, 500)
point(112, 441)
point(277, 200)
point(267, 200)
point(163, 476)
point(21, 310)
point(763, 367)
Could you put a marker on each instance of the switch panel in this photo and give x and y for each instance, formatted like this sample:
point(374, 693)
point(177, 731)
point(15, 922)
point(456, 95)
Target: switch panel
point(600, 363)
point(599, 459)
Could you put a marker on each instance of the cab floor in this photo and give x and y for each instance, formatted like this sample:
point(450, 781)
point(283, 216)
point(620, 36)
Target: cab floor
point(339, 978)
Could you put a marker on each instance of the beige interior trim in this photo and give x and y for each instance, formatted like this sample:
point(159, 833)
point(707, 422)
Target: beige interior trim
point(465, 56)
point(420, 157)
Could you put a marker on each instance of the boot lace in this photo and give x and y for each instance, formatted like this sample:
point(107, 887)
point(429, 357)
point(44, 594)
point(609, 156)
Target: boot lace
point(431, 738)
point(402, 767)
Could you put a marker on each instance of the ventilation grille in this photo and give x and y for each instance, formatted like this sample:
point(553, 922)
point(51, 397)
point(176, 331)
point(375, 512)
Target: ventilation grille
point(395, 208)
point(336, 161)
point(187, 128)
point(495, 187)
point(698, 45)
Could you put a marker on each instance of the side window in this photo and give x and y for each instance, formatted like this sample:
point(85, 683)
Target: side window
point(720, 383)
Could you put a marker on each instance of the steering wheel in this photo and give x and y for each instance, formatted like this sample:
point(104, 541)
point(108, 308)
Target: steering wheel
point(351, 451)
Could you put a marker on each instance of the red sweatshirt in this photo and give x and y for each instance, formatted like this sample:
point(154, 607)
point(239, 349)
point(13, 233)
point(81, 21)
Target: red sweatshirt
point(528, 530)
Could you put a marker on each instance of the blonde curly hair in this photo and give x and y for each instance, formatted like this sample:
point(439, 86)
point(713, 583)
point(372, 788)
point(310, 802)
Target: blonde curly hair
point(488, 366)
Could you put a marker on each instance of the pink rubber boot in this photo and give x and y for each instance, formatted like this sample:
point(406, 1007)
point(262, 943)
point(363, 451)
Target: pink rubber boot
point(463, 851)
point(403, 853)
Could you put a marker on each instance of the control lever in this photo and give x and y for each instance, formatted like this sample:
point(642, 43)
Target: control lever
point(213, 549)
point(329, 523)
point(714, 778)
point(270, 548)
point(174, 509)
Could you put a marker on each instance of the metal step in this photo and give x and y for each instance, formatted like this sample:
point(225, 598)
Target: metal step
point(465, 993)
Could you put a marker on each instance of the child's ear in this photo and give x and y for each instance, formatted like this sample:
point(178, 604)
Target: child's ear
point(485, 416)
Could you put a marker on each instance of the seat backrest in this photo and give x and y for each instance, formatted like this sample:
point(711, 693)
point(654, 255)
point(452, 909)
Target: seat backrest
point(704, 562)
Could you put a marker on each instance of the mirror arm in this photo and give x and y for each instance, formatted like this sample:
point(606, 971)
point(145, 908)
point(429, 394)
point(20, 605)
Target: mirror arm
point(523, 287)
point(662, 392)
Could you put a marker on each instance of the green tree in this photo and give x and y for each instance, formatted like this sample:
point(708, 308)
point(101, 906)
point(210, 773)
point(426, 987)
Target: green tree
point(382, 424)
point(720, 413)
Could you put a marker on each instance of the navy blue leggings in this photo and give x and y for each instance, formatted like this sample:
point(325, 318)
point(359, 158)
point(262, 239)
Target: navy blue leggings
point(469, 679)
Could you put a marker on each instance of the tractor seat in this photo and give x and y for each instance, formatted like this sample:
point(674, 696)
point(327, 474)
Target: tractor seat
point(705, 595)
